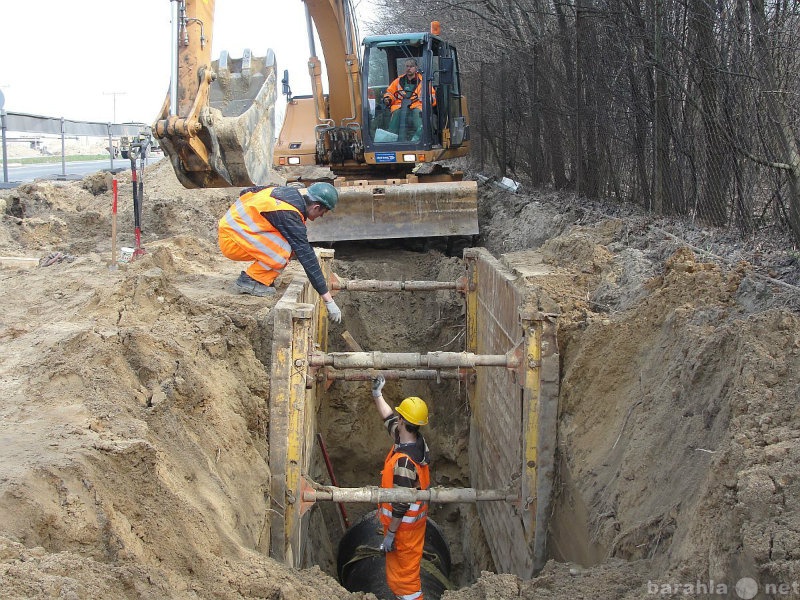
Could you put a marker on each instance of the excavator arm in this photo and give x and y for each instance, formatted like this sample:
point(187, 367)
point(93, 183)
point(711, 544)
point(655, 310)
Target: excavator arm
point(338, 35)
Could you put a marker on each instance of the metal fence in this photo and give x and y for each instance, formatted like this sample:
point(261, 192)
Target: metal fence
point(25, 123)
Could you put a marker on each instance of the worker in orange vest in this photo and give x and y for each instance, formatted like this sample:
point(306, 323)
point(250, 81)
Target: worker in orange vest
point(404, 99)
point(268, 225)
point(406, 465)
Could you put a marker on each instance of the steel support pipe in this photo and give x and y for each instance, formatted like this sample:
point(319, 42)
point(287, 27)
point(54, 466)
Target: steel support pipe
point(374, 495)
point(415, 374)
point(411, 360)
point(376, 285)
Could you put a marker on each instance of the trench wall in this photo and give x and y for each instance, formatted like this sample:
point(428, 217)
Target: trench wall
point(299, 327)
point(514, 412)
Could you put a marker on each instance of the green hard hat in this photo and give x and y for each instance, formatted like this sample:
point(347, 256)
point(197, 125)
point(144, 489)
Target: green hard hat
point(324, 193)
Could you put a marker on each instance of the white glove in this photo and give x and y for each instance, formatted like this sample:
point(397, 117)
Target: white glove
point(387, 545)
point(377, 386)
point(334, 312)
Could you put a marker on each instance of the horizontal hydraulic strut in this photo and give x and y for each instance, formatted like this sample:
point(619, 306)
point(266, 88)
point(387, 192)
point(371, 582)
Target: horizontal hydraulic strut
point(412, 360)
point(411, 374)
point(374, 495)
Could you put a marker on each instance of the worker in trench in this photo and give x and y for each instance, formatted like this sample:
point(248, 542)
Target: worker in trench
point(406, 465)
point(268, 225)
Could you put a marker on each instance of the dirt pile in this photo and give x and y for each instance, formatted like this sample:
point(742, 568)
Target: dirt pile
point(135, 432)
point(134, 418)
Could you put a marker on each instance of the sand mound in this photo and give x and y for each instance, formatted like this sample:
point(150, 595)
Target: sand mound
point(135, 431)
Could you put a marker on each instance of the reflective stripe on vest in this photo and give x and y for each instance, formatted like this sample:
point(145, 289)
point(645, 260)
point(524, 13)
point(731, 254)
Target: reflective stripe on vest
point(406, 519)
point(413, 596)
point(417, 511)
point(260, 234)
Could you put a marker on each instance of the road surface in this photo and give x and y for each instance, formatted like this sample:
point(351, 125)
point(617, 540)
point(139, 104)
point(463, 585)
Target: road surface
point(74, 170)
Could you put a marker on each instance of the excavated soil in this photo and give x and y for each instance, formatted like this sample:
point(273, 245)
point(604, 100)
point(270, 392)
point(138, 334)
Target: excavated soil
point(134, 421)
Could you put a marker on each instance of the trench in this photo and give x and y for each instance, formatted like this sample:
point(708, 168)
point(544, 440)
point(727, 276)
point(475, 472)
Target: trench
point(347, 426)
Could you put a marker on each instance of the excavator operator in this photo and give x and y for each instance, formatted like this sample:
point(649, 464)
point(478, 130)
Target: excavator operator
point(403, 97)
point(406, 465)
point(268, 225)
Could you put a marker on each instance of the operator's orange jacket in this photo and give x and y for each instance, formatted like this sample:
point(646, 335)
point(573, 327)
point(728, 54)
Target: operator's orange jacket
point(396, 86)
point(244, 224)
point(403, 564)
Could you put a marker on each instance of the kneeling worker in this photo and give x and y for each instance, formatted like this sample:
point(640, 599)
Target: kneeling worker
point(405, 466)
point(267, 225)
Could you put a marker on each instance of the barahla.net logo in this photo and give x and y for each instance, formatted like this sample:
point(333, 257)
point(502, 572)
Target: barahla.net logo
point(746, 588)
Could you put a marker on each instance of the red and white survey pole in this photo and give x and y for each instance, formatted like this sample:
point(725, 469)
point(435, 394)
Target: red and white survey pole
point(115, 189)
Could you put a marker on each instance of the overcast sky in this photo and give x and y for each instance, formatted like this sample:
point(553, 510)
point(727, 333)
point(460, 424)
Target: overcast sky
point(94, 60)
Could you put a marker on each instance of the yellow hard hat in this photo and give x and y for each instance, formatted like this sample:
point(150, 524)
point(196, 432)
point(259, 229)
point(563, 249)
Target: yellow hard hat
point(414, 410)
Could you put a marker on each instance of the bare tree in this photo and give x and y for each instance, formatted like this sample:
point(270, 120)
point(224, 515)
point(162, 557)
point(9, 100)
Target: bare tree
point(684, 107)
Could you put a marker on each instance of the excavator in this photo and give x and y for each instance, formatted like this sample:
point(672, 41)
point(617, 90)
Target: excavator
point(216, 125)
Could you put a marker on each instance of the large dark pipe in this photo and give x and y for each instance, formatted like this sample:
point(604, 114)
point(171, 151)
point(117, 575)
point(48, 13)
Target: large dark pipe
point(361, 567)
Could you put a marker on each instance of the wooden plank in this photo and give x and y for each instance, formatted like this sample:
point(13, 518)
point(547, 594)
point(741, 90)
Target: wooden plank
point(351, 342)
point(18, 261)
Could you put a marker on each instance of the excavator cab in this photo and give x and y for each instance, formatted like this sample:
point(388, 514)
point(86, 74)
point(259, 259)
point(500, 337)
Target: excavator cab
point(427, 126)
point(384, 156)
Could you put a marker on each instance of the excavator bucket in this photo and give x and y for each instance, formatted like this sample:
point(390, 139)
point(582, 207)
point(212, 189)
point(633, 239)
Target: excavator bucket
point(226, 137)
point(408, 210)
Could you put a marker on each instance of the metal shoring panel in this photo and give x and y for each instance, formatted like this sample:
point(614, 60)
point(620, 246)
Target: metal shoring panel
point(297, 449)
point(287, 411)
point(279, 403)
point(534, 366)
point(547, 437)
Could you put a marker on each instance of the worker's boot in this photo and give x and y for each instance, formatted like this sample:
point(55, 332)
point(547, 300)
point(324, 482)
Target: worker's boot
point(247, 285)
